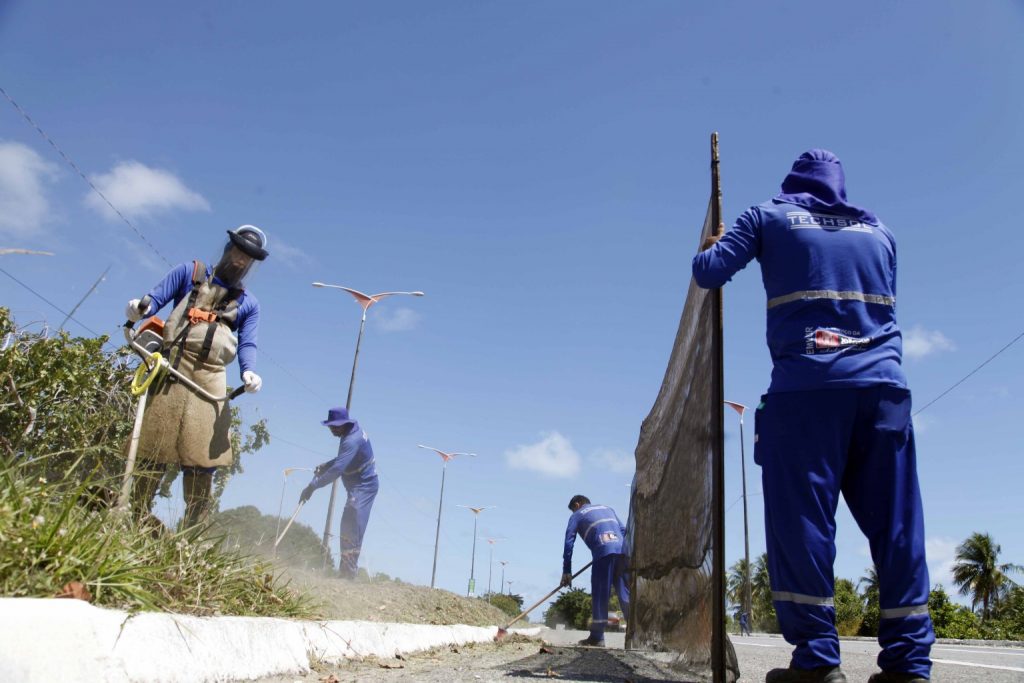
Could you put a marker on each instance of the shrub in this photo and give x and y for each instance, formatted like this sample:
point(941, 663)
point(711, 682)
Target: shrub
point(950, 620)
point(571, 608)
point(511, 605)
point(849, 610)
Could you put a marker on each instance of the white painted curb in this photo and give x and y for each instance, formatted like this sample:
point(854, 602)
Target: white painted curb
point(48, 640)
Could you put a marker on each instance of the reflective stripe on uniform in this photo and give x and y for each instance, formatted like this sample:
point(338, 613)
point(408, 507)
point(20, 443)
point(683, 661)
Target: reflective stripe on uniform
point(810, 294)
point(901, 612)
point(801, 599)
point(593, 524)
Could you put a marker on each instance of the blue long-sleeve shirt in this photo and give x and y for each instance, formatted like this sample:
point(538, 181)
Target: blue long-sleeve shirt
point(830, 282)
point(178, 283)
point(600, 529)
point(354, 460)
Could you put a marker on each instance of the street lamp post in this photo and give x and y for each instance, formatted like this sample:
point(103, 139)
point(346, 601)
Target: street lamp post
point(364, 301)
point(490, 562)
point(280, 506)
point(472, 562)
point(501, 586)
point(740, 408)
point(440, 503)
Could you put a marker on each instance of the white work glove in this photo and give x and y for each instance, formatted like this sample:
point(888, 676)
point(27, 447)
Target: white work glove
point(133, 313)
point(253, 382)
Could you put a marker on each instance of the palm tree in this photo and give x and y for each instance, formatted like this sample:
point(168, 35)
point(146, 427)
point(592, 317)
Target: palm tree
point(736, 584)
point(978, 573)
point(870, 583)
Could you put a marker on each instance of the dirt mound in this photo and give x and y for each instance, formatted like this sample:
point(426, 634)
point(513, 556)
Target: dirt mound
point(394, 601)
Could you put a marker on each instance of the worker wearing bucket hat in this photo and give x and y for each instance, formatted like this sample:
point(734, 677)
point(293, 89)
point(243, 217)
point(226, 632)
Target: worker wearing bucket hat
point(211, 305)
point(354, 464)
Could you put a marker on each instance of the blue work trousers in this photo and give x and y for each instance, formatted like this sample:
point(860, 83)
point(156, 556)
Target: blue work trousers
point(812, 445)
point(606, 573)
point(354, 519)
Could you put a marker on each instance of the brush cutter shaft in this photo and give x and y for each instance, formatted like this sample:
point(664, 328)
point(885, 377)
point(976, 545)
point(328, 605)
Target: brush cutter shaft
point(289, 524)
point(541, 601)
point(166, 367)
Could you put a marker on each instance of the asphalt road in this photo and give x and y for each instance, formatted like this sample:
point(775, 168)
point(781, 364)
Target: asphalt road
point(561, 661)
point(952, 663)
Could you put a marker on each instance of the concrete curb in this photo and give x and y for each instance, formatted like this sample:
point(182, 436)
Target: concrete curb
point(49, 640)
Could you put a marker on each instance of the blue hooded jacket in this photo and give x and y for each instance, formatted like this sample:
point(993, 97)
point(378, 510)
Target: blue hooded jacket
point(601, 531)
point(353, 463)
point(829, 273)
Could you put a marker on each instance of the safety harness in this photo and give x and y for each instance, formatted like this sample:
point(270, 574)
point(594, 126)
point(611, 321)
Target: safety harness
point(227, 304)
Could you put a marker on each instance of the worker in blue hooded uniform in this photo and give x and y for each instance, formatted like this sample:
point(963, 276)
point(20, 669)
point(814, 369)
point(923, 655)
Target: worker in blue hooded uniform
point(354, 464)
point(603, 533)
point(214, 319)
point(835, 419)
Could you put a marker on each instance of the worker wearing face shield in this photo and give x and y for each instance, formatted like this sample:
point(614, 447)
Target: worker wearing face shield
point(214, 319)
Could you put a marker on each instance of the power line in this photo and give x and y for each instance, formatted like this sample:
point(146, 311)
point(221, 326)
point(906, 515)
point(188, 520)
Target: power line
point(52, 305)
point(127, 222)
point(965, 377)
point(74, 166)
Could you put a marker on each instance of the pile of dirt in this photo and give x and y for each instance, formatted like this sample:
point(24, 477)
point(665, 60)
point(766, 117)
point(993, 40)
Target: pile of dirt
point(393, 601)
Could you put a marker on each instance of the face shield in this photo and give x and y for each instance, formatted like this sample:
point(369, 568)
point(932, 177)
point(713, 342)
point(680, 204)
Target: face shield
point(246, 247)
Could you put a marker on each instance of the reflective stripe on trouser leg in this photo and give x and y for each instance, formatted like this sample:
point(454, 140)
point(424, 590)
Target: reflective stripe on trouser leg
point(801, 446)
point(354, 520)
point(881, 488)
point(601, 573)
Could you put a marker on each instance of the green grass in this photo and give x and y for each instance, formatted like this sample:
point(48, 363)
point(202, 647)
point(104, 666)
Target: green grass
point(52, 534)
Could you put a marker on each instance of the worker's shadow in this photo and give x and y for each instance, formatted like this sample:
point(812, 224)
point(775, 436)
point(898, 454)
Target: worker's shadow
point(593, 664)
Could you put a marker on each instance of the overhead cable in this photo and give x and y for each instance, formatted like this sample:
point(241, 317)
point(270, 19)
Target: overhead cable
point(84, 177)
point(965, 377)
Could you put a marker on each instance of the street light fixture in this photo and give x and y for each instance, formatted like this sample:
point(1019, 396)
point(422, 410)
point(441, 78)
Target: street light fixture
point(740, 408)
point(472, 563)
point(364, 301)
point(444, 468)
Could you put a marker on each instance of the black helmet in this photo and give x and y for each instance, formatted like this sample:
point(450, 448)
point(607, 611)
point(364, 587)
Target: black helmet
point(250, 240)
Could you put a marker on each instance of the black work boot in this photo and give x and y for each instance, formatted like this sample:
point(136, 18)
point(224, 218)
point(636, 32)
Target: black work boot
point(589, 641)
point(894, 677)
point(822, 674)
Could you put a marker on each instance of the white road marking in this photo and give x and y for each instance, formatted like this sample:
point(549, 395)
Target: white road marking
point(977, 666)
point(980, 651)
point(741, 642)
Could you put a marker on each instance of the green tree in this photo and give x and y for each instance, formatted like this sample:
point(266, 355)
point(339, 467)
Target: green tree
point(849, 609)
point(950, 620)
point(979, 574)
point(764, 617)
point(872, 609)
point(253, 532)
point(736, 582)
point(511, 605)
point(63, 399)
point(571, 608)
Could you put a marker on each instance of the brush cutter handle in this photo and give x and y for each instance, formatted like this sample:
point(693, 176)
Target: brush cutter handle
point(164, 366)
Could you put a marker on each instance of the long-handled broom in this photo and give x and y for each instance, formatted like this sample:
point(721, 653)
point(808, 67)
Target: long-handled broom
point(503, 631)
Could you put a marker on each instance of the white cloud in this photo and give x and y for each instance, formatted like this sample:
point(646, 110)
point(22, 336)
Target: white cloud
point(396, 319)
point(552, 456)
point(919, 342)
point(614, 461)
point(941, 552)
point(291, 256)
point(139, 191)
point(24, 208)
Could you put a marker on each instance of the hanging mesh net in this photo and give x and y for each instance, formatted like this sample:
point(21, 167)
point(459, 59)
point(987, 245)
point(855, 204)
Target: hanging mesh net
point(671, 522)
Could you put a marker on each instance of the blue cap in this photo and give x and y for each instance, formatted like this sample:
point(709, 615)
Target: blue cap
point(337, 417)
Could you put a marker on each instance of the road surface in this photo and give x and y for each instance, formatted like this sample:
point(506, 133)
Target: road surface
point(560, 661)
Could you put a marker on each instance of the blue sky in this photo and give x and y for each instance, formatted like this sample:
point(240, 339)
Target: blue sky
point(539, 170)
